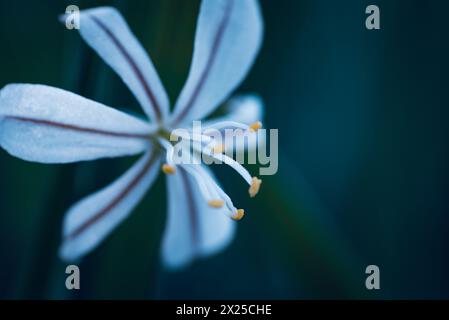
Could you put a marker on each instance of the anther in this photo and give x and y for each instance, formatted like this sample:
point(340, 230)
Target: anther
point(255, 126)
point(168, 169)
point(219, 148)
point(255, 186)
point(239, 214)
point(215, 203)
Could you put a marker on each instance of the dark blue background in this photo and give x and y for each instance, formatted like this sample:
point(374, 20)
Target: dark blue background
point(363, 169)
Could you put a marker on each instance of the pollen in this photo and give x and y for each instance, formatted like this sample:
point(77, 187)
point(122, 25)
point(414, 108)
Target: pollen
point(255, 186)
point(255, 126)
point(217, 203)
point(238, 215)
point(168, 169)
point(219, 148)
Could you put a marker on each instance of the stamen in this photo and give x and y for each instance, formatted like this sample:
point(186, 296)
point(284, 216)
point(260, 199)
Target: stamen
point(255, 186)
point(255, 126)
point(213, 186)
point(219, 148)
point(192, 137)
point(168, 169)
point(238, 214)
point(215, 203)
point(232, 163)
point(169, 152)
point(212, 198)
point(225, 125)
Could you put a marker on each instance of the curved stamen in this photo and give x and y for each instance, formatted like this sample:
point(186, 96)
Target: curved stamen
point(235, 213)
point(190, 136)
point(226, 125)
point(208, 193)
point(255, 187)
point(254, 182)
point(233, 164)
point(238, 214)
point(255, 126)
point(169, 167)
point(218, 148)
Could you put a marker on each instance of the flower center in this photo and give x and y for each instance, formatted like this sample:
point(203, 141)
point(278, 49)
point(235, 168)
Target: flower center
point(206, 144)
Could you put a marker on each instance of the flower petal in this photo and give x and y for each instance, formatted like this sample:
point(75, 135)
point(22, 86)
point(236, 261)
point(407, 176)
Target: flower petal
point(245, 109)
point(105, 30)
point(89, 221)
point(193, 228)
point(228, 38)
point(51, 125)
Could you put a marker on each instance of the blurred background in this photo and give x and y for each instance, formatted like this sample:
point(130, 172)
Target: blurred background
point(363, 160)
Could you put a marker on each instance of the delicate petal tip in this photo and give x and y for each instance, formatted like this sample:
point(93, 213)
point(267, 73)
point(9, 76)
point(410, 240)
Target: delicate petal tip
point(227, 40)
point(255, 186)
point(168, 169)
point(243, 108)
point(68, 253)
point(247, 108)
point(63, 253)
point(216, 203)
point(238, 215)
point(255, 126)
point(105, 30)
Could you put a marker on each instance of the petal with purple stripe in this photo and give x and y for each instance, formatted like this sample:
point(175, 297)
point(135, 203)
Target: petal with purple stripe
point(105, 30)
point(50, 125)
point(193, 229)
point(89, 221)
point(227, 40)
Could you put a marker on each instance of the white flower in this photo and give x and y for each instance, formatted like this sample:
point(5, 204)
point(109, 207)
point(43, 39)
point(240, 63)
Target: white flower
point(49, 125)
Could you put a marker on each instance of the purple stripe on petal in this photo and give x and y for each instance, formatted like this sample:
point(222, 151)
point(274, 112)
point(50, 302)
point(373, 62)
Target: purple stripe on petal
point(78, 128)
point(132, 63)
point(210, 62)
point(116, 200)
point(192, 209)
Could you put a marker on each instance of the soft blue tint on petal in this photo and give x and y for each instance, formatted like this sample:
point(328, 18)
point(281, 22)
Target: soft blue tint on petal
point(228, 38)
point(105, 30)
point(89, 221)
point(193, 228)
point(46, 124)
point(245, 109)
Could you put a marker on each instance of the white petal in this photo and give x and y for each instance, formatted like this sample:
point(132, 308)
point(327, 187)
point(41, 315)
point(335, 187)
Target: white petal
point(89, 221)
point(50, 125)
point(246, 109)
point(105, 30)
point(193, 228)
point(228, 38)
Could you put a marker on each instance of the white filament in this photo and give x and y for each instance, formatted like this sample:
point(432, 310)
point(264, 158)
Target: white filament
point(226, 125)
point(169, 151)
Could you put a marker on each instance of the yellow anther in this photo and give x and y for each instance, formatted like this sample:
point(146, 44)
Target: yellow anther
point(219, 148)
point(168, 169)
point(239, 214)
point(255, 186)
point(215, 203)
point(255, 126)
